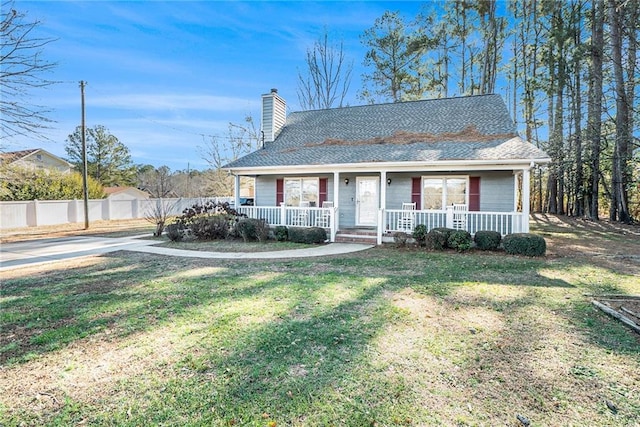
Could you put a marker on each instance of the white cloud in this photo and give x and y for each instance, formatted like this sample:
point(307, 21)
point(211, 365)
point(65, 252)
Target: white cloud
point(173, 102)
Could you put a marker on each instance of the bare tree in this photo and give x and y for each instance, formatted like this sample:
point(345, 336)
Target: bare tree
point(22, 68)
point(159, 212)
point(328, 76)
point(158, 182)
point(241, 139)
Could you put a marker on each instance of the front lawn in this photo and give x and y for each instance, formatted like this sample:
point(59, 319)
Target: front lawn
point(231, 245)
point(377, 338)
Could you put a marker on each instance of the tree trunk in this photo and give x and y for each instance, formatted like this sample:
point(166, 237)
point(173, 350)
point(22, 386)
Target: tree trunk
point(619, 210)
point(594, 119)
point(578, 186)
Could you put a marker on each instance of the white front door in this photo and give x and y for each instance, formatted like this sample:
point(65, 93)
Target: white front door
point(367, 200)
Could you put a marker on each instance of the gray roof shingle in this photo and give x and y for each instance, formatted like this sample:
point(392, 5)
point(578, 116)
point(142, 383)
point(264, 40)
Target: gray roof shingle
point(465, 128)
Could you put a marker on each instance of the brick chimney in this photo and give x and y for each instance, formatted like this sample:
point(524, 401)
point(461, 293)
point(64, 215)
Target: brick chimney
point(274, 115)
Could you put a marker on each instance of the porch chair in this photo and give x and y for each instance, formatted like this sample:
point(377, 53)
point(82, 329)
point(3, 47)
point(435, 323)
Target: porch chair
point(301, 216)
point(324, 219)
point(407, 219)
point(459, 216)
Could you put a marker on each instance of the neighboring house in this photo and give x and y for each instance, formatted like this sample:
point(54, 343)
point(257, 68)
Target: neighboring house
point(125, 193)
point(36, 159)
point(455, 162)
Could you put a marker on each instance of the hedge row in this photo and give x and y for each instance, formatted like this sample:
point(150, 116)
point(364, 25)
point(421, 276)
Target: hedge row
point(442, 238)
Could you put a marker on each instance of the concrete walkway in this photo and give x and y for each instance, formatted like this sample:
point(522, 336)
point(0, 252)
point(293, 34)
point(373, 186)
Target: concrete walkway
point(42, 251)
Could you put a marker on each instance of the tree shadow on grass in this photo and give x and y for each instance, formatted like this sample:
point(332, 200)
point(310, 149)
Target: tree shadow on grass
point(302, 368)
point(289, 339)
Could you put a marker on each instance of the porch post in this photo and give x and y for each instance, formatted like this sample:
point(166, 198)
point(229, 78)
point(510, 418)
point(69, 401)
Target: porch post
point(383, 204)
point(515, 190)
point(383, 189)
point(526, 190)
point(283, 213)
point(236, 191)
point(336, 206)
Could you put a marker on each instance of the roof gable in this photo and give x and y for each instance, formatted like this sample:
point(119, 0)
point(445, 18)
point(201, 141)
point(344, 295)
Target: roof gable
point(14, 156)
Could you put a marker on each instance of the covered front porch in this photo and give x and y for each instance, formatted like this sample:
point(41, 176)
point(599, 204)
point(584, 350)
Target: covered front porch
point(390, 221)
point(390, 201)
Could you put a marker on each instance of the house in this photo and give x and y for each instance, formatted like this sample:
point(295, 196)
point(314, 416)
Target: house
point(379, 169)
point(36, 159)
point(125, 193)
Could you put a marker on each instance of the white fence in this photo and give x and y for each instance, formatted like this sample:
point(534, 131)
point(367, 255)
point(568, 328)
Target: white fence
point(54, 212)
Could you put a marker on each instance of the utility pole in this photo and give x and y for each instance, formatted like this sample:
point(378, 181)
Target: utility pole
point(85, 187)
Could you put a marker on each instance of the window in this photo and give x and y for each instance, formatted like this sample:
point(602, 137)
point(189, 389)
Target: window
point(445, 191)
point(297, 190)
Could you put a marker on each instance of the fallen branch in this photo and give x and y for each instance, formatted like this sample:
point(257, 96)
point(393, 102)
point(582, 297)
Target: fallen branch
point(626, 310)
point(613, 296)
point(611, 312)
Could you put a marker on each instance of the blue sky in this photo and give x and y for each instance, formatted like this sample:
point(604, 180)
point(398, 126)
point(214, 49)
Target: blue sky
point(163, 74)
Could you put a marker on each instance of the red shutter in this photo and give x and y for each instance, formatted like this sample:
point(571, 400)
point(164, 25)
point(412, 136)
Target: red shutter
point(279, 191)
point(416, 192)
point(474, 193)
point(323, 191)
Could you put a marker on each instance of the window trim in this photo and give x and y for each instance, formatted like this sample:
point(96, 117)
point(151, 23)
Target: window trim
point(444, 188)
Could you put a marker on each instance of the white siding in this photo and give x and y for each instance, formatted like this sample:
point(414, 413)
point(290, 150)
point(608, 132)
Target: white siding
point(274, 115)
point(496, 191)
point(399, 191)
point(266, 191)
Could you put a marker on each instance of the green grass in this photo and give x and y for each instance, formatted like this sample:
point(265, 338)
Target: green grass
point(232, 245)
point(384, 337)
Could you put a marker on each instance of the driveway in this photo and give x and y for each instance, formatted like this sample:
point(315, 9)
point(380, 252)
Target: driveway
point(40, 251)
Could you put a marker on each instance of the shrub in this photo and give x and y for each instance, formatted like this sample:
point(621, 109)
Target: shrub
point(158, 213)
point(175, 232)
point(252, 229)
point(210, 227)
point(420, 234)
point(25, 184)
point(262, 231)
point(524, 244)
point(209, 220)
point(436, 239)
point(460, 240)
point(400, 239)
point(281, 233)
point(312, 235)
point(446, 231)
point(487, 240)
point(246, 228)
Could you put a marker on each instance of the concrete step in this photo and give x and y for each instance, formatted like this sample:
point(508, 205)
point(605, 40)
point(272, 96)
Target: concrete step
point(356, 237)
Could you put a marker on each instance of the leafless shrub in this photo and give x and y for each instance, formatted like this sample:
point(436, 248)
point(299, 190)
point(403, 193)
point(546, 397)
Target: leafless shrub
point(158, 213)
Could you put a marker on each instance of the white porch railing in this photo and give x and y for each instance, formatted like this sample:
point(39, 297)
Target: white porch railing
point(394, 220)
point(294, 216)
point(403, 220)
